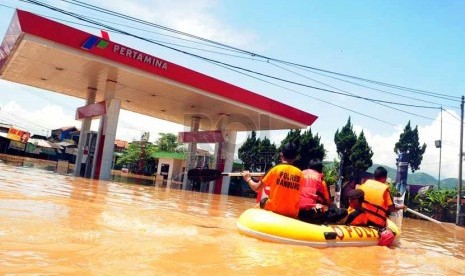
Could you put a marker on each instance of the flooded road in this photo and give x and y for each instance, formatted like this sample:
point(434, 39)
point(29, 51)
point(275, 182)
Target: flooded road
point(53, 224)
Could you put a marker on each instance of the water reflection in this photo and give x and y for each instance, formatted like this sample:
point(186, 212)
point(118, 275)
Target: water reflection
point(56, 224)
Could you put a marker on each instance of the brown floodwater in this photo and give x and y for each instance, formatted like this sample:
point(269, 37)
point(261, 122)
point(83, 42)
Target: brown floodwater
point(52, 224)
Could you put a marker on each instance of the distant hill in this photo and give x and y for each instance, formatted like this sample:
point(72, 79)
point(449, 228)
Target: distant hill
point(418, 178)
point(412, 178)
point(450, 183)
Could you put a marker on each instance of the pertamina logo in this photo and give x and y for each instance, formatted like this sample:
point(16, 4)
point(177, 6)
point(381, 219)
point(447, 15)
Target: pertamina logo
point(135, 55)
point(93, 41)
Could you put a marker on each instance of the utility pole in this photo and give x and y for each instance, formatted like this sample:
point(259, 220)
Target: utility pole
point(440, 154)
point(459, 194)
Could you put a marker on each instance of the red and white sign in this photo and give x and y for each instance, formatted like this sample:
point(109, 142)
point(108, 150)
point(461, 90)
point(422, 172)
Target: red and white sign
point(214, 136)
point(91, 110)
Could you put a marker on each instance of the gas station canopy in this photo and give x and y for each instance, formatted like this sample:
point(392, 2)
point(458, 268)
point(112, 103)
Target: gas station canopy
point(49, 55)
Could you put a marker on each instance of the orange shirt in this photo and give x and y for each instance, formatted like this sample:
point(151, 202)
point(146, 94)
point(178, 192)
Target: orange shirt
point(285, 188)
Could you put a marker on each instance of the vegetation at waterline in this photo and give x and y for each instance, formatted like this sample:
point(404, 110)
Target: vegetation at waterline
point(137, 151)
point(438, 202)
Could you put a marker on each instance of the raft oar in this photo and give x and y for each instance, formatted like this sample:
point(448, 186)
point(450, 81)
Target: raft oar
point(458, 231)
point(239, 174)
point(423, 216)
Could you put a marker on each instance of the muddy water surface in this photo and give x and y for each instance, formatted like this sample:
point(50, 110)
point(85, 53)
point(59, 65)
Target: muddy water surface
point(53, 224)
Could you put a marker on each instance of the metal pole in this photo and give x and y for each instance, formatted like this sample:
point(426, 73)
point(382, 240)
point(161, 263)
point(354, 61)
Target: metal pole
point(459, 194)
point(440, 153)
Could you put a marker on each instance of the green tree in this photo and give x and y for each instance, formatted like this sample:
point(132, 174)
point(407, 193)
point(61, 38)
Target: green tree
point(360, 156)
point(409, 143)
point(330, 173)
point(310, 147)
point(345, 140)
point(168, 142)
point(247, 153)
point(133, 154)
point(293, 136)
point(266, 153)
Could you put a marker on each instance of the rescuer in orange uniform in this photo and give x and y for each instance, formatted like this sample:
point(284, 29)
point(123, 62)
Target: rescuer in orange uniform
point(284, 181)
point(378, 202)
point(357, 216)
point(314, 199)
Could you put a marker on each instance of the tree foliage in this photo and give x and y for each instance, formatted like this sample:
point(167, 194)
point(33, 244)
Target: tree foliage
point(247, 152)
point(293, 136)
point(345, 140)
point(354, 151)
point(168, 142)
point(133, 153)
point(330, 173)
point(309, 148)
point(257, 153)
point(437, 201)
point(409, 143)
point(360, 155)
point(266, 152)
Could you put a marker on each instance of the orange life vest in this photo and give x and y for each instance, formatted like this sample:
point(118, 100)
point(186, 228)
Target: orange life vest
point(374, 205)
point(312, 190)
point(285, 188)
point(356, 217)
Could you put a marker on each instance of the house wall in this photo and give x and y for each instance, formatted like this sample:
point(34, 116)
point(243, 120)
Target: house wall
point(175, 169)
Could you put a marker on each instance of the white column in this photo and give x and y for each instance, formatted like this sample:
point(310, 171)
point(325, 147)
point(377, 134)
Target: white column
point(110, 136)
point(109, 124)
point(224, 152)
point(228, 151)
point(85, 126)
point(191, 150)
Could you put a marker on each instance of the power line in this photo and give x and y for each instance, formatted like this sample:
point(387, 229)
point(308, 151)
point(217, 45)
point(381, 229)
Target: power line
point(226, 64)
point(132, 19)
point(452, 115)
point(372, 88)
point(308, 96)
point(397, 109)
point(231, 67)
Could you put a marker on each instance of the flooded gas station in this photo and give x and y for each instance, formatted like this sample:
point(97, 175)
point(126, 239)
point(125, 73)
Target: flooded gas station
point(65, 224)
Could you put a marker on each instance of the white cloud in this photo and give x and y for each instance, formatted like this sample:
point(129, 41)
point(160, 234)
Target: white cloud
point(197, 17)
point(450, 145)
point(383, 146)
point(38, 121)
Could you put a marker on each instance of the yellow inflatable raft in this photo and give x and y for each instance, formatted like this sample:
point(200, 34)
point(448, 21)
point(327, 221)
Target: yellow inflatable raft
point(269, 226)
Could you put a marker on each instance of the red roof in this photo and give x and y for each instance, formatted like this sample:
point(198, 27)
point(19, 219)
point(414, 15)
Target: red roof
point(121, 144)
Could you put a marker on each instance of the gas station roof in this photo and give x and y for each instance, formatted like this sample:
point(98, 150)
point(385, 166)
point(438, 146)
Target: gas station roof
point(49, 55)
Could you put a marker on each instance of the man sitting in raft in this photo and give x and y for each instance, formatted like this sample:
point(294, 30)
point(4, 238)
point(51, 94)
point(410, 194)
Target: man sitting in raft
point(315, 203)
point(357, 216)
point(378, 202)
point(284, 181)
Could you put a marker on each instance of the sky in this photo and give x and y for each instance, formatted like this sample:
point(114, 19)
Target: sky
point(417, 45)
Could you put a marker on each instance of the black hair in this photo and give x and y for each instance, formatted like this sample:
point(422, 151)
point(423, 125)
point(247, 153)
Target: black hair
point(379, 173)
point(315, 164)
point(289, 151)
point(356, 193)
